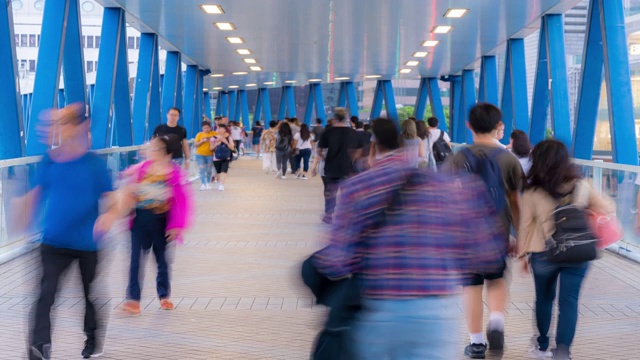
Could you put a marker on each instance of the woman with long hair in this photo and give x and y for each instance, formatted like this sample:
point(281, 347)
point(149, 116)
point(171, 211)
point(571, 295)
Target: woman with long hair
point(302, 145)
point(553, 180)
point(284, 140)
point(222, 146)
point(521, 148)
point(411, 142)
point(427, 160)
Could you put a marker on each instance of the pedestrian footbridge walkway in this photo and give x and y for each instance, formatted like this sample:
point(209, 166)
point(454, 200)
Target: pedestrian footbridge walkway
point(238, 293)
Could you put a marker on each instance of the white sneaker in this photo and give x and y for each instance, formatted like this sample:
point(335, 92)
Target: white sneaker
point(202, 188)
point(221, 188)
point(279, 174)
point(536, 353)
point(283, 177)
point(208, 186)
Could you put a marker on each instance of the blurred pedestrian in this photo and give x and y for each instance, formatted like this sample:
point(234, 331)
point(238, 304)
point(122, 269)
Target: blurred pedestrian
point(180, 154)
point(204, 155)
point(284, 142)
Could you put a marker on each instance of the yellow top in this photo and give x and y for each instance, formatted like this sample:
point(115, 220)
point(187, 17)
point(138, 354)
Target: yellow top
point(204, 149)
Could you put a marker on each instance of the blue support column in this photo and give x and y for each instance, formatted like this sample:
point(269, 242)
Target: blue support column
point(315, 98)
point(12, 129)
point(291, 102)
point(468, 99)
point(266, 106)
point(342, 95)
point(287, 103)
point(145, 95)
point(61, 99)
point(619, 91)
point(421, 100)
point(73, 59)
point(207, 104)
point(378, 98)
point(282, 109)
point(172, 83)
point(457, 135)
point(352, 97)
point(308, 112)
point(540, 105)
point(559, 93)
point(233, 98)
point(258, 109)
point(189, 101)
point(242, 108)
point(506, 105)
point(518, 76)
point(436, 103)
point(200, 104)
point(112, 80)
point(390, 101)
point(488, 80)
point(320, 105)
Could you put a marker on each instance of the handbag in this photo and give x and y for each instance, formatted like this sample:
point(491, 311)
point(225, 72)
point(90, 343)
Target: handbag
point(607, 229)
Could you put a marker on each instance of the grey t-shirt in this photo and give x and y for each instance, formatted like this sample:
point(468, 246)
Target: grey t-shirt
point(294, 128)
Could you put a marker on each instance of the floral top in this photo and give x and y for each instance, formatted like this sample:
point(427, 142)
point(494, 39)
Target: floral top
point(268, 139)
point(154, 193)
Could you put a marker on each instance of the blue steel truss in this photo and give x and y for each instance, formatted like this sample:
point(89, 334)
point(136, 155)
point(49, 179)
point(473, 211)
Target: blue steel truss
point(287, 106)
point(347, 98)
point(468, 100)
point(223, 102)
point(315, 98)
point(429, 89)
point(190, 102)
point(146, 98)
point(233, 98)
point(384, 92)
point(456, 124)
point(263, 107)
point(488, 91)
point(172, 83)
point(515, 103)
point(421, 99)
point(242, 108)
point(207, 104)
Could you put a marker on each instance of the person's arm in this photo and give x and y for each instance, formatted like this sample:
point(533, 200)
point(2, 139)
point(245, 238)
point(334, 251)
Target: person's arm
point(23, 208)
point(372, 153)
point(294, 142)
point(200, 139)
point(230, 144)
point(421, 149)
point(185, 149)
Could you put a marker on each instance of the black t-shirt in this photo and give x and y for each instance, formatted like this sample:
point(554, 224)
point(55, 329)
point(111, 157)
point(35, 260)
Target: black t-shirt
point(317, 132)
point(338, 141)
point(257, 132)
point(175, 145)
point(364, 142)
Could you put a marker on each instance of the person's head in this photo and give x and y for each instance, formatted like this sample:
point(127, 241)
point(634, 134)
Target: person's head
point(421, 130)
point(319, 121)
point(222, 130)
point(412, 118)
point(258, 123)
point(70, 124)
point(340, 115)
point(291, 120)
point(520, 144)
point(500, 131)
point(386, 134)
point(354, 120)
point(285, 130)
point(408, 130)
point(224, 120)
point(367, 127)
point(484, 118)
point(433, 122)
point(173, 115)
point(273, 123)
point(305, 134)
point(551, 167)
point(359, 125)
point(206, 126)
point(159, 149)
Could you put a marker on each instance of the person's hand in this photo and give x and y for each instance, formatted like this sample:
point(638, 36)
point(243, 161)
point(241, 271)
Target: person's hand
point(524, 265)
point(103, 223)
point(314, 172)
point(186, 165)
point(371, 162)
point(172, 234)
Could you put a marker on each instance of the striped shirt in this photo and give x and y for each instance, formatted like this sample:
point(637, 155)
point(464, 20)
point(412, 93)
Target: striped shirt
point(410, 233)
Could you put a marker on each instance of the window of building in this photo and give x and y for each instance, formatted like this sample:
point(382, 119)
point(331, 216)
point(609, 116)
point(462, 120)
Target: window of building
point(90, 42)
point(23, 40)
point(32, 40)
point(97, 42)
point(38, 40)
point(82, 41)
point(137, 42)
point(131, 42)
point(23, 64)
point(89, 66)
point(17, 39)
point(32, 65)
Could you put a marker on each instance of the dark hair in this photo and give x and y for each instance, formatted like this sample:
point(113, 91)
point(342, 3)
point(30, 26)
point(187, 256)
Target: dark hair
point(273, 123)
point(305, 134)
point(354, 119)
point(413, 118)
point(257, 123)
point(223, 126)
point(423, 132)
point(433, 121)
point(206, 123)
point(174, 108)
point(484, 118)
point(386, 133)
point(217, 118)
point(292, 120)
point(359, 124)
point(319, 121)
point(285, 130)
point(521, 146)
point(551, 167)
point(165, 143)
point(367, 127)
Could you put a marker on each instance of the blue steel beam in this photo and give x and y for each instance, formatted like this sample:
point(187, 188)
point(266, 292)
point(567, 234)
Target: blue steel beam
point(121, 96)
point(559, 89)
point(342, 95)
point(378, 98)
point(540, 105)
point(619, 91)
point(266, 106)
point(291, 102)
point(147, 60)
point(233, 98)
point(258, 109)
point(172, 84)
point(435, 100)
point(506, 104)
point(224, 104)
point(200, 103)
point(421, 99)
point(308, 112)
point(518, 76)
point(488, 80)
point(242, 108)
point(390, 101)
point(282, 109)
point(61, 99)
point(113, 23)
point(73, 59)
point(458, 126)
point(45, 89)
point(207, 104)
point(155, 104)
point(12, 129)
point(190, 94)
point(352, 97)
point(468, 99)
point(320, 105)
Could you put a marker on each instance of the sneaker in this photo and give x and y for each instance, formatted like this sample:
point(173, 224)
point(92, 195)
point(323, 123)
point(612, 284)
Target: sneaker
point(327, 219)
point(476, 351)
point(536, 353)
point(303, 177)
point(279, 174)
point(132, 307)
point(89, 347)
point(283, 177)
point(558, 354)
point(202, 188)
point(221, 187)
point(208, 186)
point(166, 304)
point(495, 338)
point(40, 352)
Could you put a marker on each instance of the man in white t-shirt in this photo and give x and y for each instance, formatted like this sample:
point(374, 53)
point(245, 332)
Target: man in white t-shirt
point(435, 132)
point(237, 136)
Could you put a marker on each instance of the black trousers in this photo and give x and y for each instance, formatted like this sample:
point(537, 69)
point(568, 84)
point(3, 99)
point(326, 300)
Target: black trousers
point(331, 187)
point(55, 262)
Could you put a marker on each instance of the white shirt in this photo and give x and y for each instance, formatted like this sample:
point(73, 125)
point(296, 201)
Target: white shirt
point(236, 133)
point(499, 143)
point(300, 144)
point(434, 135)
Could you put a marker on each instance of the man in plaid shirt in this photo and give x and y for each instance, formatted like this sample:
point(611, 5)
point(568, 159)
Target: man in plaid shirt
point(410, 235)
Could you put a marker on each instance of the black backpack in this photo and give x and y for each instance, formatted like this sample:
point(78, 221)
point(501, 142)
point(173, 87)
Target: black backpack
point(441, 150)
point(573, 240)
point(223, 152)
point(283, 144)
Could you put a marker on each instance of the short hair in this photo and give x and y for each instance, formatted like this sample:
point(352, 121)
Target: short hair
point(521, 145)
point(319, 121)
point(340, 114)
point(174, 108)
point(292, 120)
point(206, 123)
point(433, 121)
point(217, 118)
point(359, 125)
point(223, 126)
point(257, 123)
point(273, 123)
point(484, 118)
point(354, 119)
point(386, 133)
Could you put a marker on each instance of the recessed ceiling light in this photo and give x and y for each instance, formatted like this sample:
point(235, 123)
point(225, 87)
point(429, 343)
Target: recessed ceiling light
point(270, 83)
point(341, 78)
point(255, 68)
point(217, 75)
point(240, 73)
point(244, 51)
point(235, 40)
point(442, 29)
point(250, 61)
point(290, 81)
point(205, 89)
point(405, 71)
point(217, 88)
point(372, 76)
point(251, 85)
point(225, 26)
point(412, 63)
point(234, 87)
point(420, 54)
point(430, 43)
point(212, 9)
point(315, 80)
point(456, 13)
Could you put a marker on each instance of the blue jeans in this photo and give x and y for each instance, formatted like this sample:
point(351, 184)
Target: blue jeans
point(205, 166)
point(303, 155)
point(545, 276)
point(414, 329)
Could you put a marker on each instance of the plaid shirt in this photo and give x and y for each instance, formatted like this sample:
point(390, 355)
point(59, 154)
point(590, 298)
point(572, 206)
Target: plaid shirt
point(409, 233)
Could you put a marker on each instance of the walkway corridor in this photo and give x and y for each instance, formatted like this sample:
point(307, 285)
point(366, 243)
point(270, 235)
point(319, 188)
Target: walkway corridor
point(238, 293)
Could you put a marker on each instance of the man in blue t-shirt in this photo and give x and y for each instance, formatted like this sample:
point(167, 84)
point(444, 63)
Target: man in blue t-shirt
point(68, 188)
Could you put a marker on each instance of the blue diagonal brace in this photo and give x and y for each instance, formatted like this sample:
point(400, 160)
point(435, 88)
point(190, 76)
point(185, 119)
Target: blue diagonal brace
point(468, 99)
point(61, 99)
point(146, 98)
point(518, 76)
point(457, 121)
point(506, 104)
point(73, 59)
point(172, 83)
point(291, 102)
point(308, 111)
point(421, 99)
point(540, 105)
point(266, 106)
point(319, 101)
point(488, 80)
point(436, 102)
point(378, 99)
point(121, 97)
point(233, 98)
point(559, 93)
point(207, 104)
point(390, 101)
point(352, 97)
point(242, 108)
point(189, 101)
point(342, 95)
point(258, 109)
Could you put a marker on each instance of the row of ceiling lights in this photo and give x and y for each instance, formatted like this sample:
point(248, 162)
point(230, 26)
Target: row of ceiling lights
point(440, 29)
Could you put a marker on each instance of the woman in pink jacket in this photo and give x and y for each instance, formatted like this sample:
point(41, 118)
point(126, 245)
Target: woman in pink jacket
point(160, 203)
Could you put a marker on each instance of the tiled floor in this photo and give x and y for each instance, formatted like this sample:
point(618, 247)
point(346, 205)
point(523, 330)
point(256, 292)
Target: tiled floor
point(239, 296)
